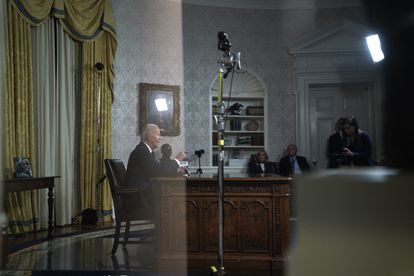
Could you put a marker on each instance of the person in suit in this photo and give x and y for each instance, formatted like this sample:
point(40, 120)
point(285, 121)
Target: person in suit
point(165, 159)
point(142, 165)
point(293, 164)
point(358, 148)
point(166, 152)
point(260, 164)
point(336, 143)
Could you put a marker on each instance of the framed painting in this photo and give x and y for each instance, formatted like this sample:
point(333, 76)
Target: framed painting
point(22, 167)
point(159, 104)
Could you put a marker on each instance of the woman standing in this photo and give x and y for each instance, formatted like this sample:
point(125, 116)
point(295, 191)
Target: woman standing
point(358, 146)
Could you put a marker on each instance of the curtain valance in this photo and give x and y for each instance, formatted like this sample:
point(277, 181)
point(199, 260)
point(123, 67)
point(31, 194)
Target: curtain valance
point(84, 20)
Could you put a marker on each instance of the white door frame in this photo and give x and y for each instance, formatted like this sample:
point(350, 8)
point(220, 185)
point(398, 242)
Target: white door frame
point(302, 82)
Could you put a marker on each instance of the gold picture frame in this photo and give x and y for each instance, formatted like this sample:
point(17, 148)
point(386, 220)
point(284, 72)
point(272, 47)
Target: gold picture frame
point(159, 104)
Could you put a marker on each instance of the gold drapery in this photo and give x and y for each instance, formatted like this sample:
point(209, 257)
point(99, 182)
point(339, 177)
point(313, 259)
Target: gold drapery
point(91, 22)
point(19, 125)
point(99, 50)
point(83, 19)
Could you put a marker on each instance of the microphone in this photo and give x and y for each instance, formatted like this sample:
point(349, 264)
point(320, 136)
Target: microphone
point(230, 60)
point(224, 42)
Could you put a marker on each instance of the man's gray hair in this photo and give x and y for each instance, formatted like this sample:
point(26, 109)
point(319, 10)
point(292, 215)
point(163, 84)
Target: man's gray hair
point(148, 129)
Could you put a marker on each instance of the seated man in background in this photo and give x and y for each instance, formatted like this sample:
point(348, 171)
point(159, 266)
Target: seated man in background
point(166, 160)
point(260, 164)
point(142, 165)
point(293, 164)
point(166, 152)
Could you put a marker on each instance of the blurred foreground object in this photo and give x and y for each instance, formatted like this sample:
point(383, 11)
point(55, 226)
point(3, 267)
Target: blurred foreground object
point(393, 21)
point(354, 222)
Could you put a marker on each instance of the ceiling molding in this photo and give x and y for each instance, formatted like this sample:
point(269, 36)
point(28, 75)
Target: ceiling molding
point(273, 4)
point(253, 4)
point(325, 4)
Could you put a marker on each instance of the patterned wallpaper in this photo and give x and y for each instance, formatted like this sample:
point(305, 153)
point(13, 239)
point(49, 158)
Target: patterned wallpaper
point(169, 43)
point(149, 50)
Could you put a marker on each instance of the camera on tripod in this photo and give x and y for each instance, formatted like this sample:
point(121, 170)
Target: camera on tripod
point(199, 152)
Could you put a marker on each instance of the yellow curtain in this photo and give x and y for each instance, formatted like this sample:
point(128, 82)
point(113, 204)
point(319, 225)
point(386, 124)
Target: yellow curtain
point(19, 126)
point(84, 20)
point(98, 51)
point(91, 22)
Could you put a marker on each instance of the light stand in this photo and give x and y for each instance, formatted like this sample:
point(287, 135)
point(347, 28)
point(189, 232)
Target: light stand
point(227, 62)
point(98, 174)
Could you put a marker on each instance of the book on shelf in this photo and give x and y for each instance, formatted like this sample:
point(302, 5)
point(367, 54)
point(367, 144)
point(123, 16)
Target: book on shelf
point(244, 140)
point(257, 140)
point(214, 139)
point(235, 124)
point(215, 159)
point(255, 110)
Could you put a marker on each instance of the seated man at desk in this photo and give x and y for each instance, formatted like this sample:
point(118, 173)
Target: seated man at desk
point(261, 164)
point(142, 165)
point(293, 164)
point(166, 160)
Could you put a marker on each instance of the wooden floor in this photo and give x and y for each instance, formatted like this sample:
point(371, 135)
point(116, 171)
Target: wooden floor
point(85, 250)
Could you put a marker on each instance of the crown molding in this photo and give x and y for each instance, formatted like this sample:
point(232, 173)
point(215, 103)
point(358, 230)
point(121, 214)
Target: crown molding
point(253, 4)
point(273, 4)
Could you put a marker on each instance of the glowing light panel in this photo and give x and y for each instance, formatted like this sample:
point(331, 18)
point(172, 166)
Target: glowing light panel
point(161, 104)
point(374, 46)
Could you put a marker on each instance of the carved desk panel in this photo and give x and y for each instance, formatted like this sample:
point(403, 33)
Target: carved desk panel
point(256, 220)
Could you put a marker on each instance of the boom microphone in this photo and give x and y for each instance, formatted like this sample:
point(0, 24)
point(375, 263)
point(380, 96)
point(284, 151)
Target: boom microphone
point(230, 60)
point(224, 42)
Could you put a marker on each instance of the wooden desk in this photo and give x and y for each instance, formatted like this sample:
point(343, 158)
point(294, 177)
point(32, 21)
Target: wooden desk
point(35, 183)
point(256, 223)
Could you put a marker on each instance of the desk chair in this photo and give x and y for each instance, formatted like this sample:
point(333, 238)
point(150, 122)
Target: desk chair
point(124, 201)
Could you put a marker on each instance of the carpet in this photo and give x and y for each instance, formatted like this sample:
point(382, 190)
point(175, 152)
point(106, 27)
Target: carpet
point(99, 233)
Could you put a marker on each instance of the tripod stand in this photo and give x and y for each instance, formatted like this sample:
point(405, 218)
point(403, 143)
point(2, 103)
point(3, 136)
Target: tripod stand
point(199, 153)
point(228, 62)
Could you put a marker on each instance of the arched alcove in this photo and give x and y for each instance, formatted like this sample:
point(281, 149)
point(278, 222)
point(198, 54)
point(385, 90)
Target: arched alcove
point(246, 128)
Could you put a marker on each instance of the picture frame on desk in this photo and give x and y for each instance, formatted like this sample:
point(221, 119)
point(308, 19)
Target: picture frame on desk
point(160, 105)
point(22, 167)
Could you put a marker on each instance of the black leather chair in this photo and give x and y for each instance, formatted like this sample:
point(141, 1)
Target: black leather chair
point(125, 199)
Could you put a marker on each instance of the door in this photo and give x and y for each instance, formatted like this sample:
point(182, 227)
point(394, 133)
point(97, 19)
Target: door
point(327, 103)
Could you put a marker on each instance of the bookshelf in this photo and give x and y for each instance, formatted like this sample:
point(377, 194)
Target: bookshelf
point(245, 129)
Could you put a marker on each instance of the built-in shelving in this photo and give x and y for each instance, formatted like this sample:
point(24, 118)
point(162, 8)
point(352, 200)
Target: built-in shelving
point(245, 129)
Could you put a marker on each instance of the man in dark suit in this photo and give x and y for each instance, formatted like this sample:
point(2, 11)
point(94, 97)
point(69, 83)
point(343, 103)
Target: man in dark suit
point(142, 165)
point(293, 164)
